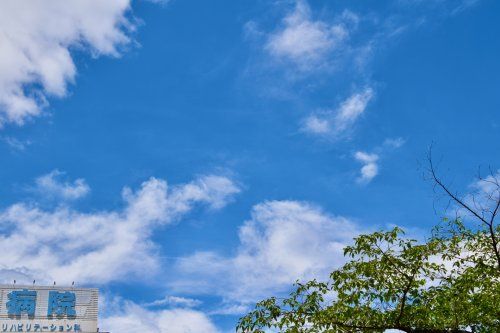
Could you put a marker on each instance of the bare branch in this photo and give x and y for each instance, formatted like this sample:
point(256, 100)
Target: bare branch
point(479, 215)
point(454, 197)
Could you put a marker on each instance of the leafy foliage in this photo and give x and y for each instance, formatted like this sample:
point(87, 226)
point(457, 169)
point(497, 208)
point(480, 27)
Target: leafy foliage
point(451, 283)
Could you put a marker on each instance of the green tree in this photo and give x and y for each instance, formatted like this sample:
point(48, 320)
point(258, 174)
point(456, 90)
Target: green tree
point(449, 283)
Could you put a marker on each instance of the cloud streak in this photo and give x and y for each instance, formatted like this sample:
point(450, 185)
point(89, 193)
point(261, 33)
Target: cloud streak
point(335, 123)
point(67, 245)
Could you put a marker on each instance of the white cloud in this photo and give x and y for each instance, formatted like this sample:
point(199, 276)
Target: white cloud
point(16, 144)
point(447, 7)
point(488, 186)
point(351, 109)
point(231, 309)
point(370, 161)
point(304, 41)
point(49, 185)
point(210, 189)
point(133, 318)
point(282, 242)
point(482, 196)
point(175, 301)
point(335, 123)
point(68, 245)
point(317, 125)
point(369, 169)
point(466, 4)
point(37, 39)
point(394, 143)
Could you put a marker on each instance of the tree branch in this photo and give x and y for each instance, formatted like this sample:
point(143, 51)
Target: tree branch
point(489, 224)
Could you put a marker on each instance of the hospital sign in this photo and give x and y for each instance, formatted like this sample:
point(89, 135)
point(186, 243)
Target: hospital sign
point(48, 309)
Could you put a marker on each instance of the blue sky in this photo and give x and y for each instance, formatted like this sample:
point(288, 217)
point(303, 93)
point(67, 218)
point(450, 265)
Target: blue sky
point(191, 157)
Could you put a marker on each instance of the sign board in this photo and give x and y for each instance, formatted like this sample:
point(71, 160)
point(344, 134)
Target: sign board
point(47, 309)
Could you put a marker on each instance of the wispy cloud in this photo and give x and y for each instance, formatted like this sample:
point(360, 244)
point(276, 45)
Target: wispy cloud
point(61, 244)
point(304, 41)
point(132, 318)
point(481, 195)
point(36, 39)
point(369, 169)
point(446, 7)
point(393, 143)
point(51, 185)
point(370, 161)
point(175, 301)
point(16, 144)
point(334, 123)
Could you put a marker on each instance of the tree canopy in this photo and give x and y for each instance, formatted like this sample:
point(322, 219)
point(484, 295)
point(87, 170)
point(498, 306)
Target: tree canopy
point(448, 283)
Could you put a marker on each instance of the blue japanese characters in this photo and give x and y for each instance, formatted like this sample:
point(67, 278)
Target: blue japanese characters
point(21, 301)
point(24, 301)
point(61, 303)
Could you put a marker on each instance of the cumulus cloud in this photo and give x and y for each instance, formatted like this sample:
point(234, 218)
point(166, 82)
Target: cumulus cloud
point(37, 39)
point(132, 319)
point(337, 122)
point(67, 245)
point(304, 41)
point(283, 241)
point(370, 168)
point(50, 185)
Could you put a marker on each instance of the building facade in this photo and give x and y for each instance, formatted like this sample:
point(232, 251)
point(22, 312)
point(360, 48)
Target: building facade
point(48, 309)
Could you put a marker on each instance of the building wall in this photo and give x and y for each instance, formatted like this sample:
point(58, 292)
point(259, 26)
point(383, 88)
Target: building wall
point(86, 307)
